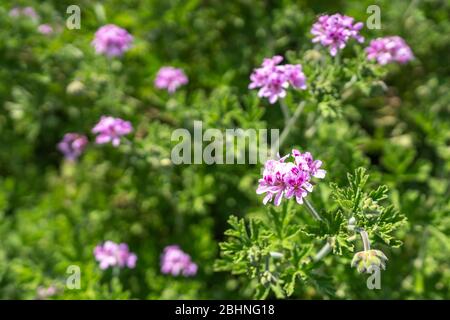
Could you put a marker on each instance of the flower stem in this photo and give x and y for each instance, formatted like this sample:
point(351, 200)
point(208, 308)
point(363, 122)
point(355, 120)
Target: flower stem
point(323, 252)
point(365, 239)
point(313, 211)
point(285, 110)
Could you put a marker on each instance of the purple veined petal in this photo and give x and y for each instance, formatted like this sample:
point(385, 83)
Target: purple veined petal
point(278, 198)
point(262, 189)
point(299, 199)
point(308, 186)
point(289, 193)
point(267, 198)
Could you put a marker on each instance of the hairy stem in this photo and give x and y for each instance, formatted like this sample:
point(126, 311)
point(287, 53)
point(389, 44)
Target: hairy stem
point(365, 239)
point(326, 249)
point(311, 209)
point(285, 110)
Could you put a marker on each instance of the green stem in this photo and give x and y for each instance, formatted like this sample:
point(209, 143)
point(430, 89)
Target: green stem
point(337, 59)
point(311, 209)
point(326, 249)
point(365, 239)
point(285, 110)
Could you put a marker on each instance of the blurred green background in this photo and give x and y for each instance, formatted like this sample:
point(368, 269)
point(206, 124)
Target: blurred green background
point(53, 212)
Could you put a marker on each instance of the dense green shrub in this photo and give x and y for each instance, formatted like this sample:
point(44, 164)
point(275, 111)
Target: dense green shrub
point(392, 120)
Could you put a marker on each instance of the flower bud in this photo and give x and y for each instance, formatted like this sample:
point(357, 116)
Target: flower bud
point(366, 261)
point(351, 224)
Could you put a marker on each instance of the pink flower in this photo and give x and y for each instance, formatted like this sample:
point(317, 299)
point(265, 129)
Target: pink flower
point(389, 49)
point(294, 74)
point(46, 292)
point(176, 262)
point(111, 254)
point(27, 12)
point(112, 40)
point(45, 29)
point(306, 162)
point(30, 12)
point(72, 145)
point(274, 79)
point(334, 31)
point(170, 78)
point(283, 179)
point(110, 129)
point(15, 12)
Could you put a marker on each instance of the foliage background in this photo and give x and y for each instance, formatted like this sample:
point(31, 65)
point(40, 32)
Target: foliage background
point(53, 213)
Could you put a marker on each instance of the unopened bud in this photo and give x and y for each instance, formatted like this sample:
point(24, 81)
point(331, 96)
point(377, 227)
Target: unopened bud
point(365, 261)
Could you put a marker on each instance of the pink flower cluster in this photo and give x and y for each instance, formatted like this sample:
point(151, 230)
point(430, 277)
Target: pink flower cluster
point(110, 129)
point(389, 49)
point(170, 78)
point(289, 179)
point(273, 79)
point(72, 145)
point(334, 31)
point(175, 261)
point(46, 292)
point(112, 40)
point(45, 29)
point(26, 11)
point(111, 254)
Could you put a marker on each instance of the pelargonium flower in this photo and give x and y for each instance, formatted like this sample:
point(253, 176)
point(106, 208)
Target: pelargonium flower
point(30, 12)
point(111, 254)
point(273, 79)
point(45, 29)
point(112, 40)
point(289, 179)
point(72, 145)
point(110, 129)
point(334, 31)
point(176, 262)
point(389, 49)
point(170, 78)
